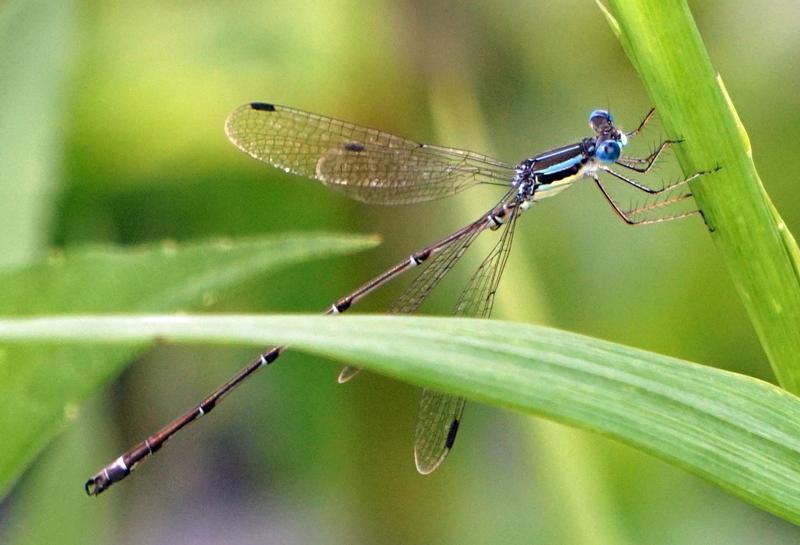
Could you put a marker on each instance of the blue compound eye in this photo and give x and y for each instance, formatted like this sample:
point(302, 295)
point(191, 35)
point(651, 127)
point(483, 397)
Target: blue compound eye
point(608, 151)
point(601, 115)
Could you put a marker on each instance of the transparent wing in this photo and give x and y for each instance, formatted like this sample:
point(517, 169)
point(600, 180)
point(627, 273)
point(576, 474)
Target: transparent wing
point(366, 164)
point(440, 414)
point(416, 292)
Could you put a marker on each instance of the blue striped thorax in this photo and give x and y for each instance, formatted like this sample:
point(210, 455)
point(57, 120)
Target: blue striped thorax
point(550, 172)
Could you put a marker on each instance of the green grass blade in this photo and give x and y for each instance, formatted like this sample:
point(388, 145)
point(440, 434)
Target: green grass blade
point(738, 432)
point(664, 45)
point(41, 387)
point(35, 50)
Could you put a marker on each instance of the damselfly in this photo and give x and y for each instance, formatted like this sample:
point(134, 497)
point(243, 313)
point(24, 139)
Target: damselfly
point(377, 167)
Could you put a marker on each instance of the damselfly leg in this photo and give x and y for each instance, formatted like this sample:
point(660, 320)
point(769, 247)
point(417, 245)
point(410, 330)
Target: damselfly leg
point(647, 118)
point(631, 216)
point(633, 163)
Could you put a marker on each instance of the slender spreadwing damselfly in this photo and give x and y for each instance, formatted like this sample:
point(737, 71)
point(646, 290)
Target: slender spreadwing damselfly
point(380, 168)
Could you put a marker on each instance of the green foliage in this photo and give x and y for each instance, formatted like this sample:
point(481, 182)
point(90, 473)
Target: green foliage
point(33, 66)
point(112, 118)
point(665, 47)
point(42, 387)
point(740, 433)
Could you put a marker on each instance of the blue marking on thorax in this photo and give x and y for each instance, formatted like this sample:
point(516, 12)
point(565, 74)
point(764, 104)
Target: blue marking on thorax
point(563, 165)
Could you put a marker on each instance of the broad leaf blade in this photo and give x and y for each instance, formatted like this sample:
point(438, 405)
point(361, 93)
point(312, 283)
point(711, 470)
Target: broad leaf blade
point(738, 432)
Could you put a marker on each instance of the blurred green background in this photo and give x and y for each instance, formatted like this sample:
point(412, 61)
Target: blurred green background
point(113, 116)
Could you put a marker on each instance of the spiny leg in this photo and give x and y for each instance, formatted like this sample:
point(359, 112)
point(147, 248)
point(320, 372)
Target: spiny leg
point(628, 216)
point(641, 187)
point(644, 122)
point(636, 213)
point(632, 162)
point(670, 217)
point(654, 205)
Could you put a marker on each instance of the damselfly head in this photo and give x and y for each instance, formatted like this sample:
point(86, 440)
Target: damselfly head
point(610, 140)
point(602, 122)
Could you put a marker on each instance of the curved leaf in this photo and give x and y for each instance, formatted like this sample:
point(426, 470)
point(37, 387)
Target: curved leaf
point(738, 432)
